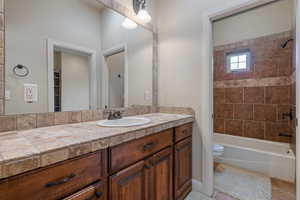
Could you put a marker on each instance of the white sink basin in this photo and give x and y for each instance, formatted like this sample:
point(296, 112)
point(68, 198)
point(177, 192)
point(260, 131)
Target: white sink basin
point(124, 122)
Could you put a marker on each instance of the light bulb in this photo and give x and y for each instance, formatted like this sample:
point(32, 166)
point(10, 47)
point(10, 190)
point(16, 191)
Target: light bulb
point(129, 24)
point(144, 16)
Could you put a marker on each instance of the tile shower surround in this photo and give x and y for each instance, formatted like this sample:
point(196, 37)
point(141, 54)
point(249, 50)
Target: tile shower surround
point(112, 4)
point(251, 104)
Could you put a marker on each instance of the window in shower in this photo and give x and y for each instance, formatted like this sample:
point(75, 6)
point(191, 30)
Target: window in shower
point(238, 61)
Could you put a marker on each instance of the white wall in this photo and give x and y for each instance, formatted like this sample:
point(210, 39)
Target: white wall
point(269, 19)
point(116, 65)
point(28, 24)
point(75, 83)
point(139, 55)
point(182, 77)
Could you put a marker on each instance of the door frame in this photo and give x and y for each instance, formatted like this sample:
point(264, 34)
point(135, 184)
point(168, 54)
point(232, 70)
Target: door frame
point(70, 48)
point(109, 52)
point(207, 186)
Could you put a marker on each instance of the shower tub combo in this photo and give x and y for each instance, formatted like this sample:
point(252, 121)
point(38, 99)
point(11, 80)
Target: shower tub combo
point(273, 159)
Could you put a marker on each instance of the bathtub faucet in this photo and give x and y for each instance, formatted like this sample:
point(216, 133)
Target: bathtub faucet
point(289, 114)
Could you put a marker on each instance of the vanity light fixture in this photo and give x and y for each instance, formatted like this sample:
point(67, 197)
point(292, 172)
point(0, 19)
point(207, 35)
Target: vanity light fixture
point(129, 24)
point(139, 7)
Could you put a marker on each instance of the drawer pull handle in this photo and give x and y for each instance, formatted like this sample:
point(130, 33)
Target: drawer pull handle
point(98, 195)
point(149, 146)
point(62, 181)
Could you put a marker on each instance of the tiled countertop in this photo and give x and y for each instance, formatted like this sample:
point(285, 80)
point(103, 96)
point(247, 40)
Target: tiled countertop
point(21, 151)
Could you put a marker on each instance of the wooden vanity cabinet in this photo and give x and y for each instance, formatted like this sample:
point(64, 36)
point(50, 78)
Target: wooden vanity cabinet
point(96, 191)
point(56, 181)
point(130, 183)
point(183, 168)
point(160, 173)
point(155, 167)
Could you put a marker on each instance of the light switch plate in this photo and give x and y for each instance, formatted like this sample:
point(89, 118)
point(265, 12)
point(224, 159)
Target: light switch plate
point(30, 93)
point(7, 94)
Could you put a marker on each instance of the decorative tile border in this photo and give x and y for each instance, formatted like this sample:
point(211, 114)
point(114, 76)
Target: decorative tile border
point(262, 82)
point(31, 121)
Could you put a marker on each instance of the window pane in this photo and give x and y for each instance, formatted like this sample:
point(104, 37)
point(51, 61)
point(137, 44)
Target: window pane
point(234, 59)
point(242, 65)
point(242, 58)
point(233, 66)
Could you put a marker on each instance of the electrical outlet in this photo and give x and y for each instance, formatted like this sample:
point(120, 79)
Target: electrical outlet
point(30, 93)
point(7, 95)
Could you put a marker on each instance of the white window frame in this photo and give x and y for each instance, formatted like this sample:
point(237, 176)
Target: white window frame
point(246, 52)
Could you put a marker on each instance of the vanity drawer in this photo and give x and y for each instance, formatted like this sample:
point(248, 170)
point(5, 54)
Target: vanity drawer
point(57, 181)
point(97, 191)
point(126, 154)
point(183, 132)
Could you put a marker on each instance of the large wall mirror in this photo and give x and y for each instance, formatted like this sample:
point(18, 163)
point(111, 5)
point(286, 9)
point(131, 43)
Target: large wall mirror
point(72, 55)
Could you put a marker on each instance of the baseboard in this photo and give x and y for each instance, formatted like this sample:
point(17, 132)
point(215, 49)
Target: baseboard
point(197, 186)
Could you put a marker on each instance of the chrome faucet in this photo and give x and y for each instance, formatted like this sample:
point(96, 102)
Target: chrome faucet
point(113, 115)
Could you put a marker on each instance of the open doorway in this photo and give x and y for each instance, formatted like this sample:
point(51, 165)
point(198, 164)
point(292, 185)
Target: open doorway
point(71, 81)
point(116, 67)
point(255, 102)
point(115, 79)
point(71, 77)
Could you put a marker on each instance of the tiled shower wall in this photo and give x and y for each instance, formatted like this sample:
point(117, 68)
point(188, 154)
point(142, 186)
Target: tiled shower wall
point(251, 104)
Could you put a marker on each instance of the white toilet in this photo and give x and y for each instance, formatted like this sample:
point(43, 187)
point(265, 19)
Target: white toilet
point(218, 150)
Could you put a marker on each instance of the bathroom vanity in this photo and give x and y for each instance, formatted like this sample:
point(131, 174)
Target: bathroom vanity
point(62, 72)
point(154, 162)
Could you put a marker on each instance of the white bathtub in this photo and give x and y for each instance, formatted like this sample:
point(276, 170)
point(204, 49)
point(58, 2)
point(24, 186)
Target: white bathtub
point(273, 159)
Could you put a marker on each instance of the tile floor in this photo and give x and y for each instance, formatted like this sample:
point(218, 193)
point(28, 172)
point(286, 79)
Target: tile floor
point(281, 190)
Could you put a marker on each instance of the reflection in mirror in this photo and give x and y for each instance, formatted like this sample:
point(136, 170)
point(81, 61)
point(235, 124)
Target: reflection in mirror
point(79, 56)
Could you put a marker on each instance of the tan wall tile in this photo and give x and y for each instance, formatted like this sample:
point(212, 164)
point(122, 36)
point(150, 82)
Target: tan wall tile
point(278, 95)
point(26, 121)
point(243, 111)
point(255, 95)
point(87, 115)
point(98, 115)
point(254, 129)
point(223, 111)
point(234, 127)
point(219, 125)
point(61, 118)
point(265, 112)
point(219, 95)
point(45, 119)
point(234, 95)
point(75, 117)
point(8, 123)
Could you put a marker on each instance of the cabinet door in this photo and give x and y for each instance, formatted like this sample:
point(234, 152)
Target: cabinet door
point(130, 183)
point(183, 168)
point(97, 191)
point(160, 170)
